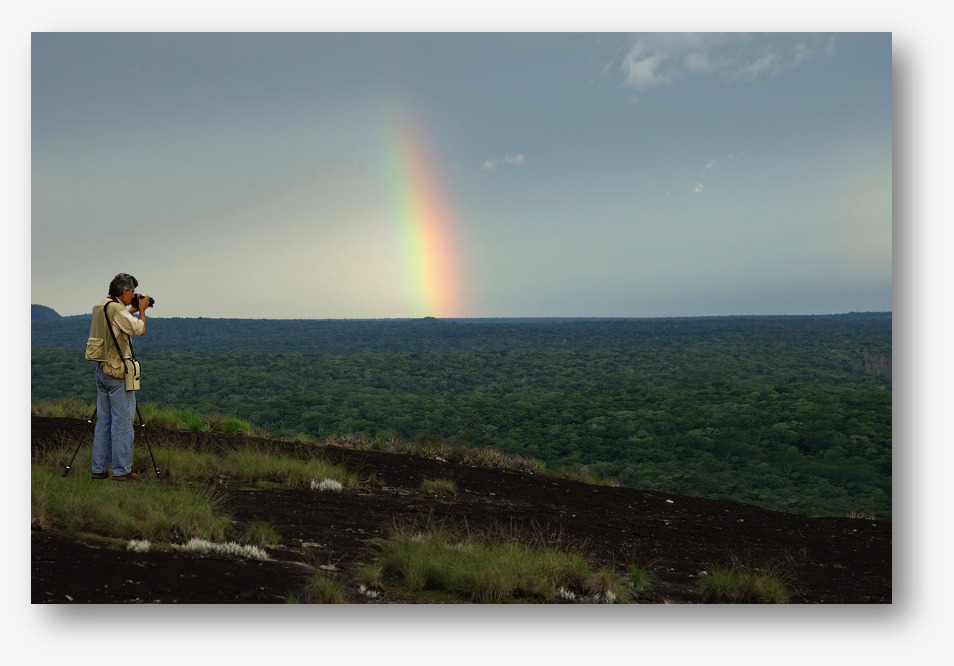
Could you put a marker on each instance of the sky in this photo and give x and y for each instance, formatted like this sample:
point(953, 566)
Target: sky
point(392, 175)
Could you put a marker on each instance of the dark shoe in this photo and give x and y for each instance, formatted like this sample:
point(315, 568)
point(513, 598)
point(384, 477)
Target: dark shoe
point(100, 475)
point(132, 476)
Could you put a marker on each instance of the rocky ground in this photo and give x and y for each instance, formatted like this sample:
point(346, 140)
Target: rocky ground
point(826, 560)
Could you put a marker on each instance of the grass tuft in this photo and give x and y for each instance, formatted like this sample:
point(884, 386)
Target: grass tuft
point(261, 534)
point(640, 580)
point(862, 515)
point(490, 568)
point(439, 487)
point(323, 588)
point(741, 583)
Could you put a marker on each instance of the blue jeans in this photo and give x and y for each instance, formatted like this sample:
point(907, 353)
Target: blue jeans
point(113, 436)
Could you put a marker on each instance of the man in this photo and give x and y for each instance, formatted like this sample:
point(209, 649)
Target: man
point(115, 405)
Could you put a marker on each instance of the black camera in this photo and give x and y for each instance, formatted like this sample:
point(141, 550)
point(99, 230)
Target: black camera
point(135, 301)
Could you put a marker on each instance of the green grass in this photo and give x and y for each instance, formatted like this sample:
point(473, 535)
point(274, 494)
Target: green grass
point(172, 419)
point(261, 534)
point(148, 510)
point(442, 564)
point(370, 575)
point(322, 588)
point(181, 506)
point(439, 487)
point(62, 408)
point(741, 583)
point(252, 465)
point(861, 515)
point(154, 416)
point(183, 511)
point(640, 579)
point(192, 421)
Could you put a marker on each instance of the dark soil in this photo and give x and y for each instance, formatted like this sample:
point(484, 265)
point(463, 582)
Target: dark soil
point(824, 560)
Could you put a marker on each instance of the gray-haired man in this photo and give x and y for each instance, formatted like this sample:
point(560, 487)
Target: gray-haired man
point(115, 405)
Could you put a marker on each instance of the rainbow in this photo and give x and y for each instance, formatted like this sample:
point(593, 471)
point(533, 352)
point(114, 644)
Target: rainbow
point(428, 251)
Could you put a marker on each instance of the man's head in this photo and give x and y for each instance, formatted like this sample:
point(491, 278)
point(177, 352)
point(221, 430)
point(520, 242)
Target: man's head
point(122, 283)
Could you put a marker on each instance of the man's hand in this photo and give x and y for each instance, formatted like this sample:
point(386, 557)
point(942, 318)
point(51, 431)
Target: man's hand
point(143, 300)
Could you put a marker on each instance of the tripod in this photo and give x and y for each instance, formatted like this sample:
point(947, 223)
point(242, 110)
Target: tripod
point(89, 422)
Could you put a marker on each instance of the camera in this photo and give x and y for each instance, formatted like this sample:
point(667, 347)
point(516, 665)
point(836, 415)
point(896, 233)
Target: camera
point(135, 301)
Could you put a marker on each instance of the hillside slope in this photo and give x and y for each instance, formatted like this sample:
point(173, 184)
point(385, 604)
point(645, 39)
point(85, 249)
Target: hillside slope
point(43, 313)
point(828, 560)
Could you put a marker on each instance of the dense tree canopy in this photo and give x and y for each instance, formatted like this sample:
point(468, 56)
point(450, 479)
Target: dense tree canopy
point(792, 413)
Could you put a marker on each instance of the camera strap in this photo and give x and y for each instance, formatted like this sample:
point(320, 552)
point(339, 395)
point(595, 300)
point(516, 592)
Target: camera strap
point(109, 325)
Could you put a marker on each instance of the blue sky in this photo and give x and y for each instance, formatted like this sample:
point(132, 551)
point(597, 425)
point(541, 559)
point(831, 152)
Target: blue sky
point(581, 174)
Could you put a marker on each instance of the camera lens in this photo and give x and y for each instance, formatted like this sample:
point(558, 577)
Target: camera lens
point(135, 301)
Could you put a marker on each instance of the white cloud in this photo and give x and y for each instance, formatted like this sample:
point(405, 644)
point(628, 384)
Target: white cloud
point(659, 59)
point(514, 160)
point(813, 44)
point(698, 187)
point(641, 68)
point(768, 63)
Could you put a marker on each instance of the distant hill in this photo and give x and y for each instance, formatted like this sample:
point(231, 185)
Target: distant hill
point(386, 336)
point(42, 312)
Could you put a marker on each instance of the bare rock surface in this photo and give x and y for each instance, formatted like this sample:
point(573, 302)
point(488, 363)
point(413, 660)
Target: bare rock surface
point(826, 560)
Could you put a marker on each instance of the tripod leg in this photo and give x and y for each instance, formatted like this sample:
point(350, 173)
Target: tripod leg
point(142, 425)
point(89, 422)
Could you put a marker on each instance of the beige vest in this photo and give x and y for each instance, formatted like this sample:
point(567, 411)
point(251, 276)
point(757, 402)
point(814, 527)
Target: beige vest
point(100, 346)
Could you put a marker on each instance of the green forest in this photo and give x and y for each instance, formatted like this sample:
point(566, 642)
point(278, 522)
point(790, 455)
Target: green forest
point(789, 413)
